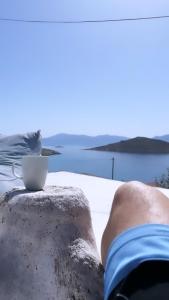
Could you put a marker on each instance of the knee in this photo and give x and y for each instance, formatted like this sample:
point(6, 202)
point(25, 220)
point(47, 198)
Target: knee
point(128, 191)
point(128, 187)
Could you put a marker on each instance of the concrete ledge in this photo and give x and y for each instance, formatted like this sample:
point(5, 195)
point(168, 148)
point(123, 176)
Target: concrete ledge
point(48, 249)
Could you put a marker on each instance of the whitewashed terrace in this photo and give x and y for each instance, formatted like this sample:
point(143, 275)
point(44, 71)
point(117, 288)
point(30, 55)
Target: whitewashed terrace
point(99, 192)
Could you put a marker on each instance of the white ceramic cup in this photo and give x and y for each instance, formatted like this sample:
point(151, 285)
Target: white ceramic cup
point(34, 171)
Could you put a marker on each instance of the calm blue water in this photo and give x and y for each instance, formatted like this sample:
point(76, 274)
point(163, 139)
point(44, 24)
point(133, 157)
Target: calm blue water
point(127, 166)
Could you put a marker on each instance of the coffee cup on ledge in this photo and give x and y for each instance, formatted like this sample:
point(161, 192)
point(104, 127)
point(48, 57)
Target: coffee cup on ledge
point(34, 171)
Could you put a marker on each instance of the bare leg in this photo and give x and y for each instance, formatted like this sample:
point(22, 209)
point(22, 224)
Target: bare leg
point(134, 204)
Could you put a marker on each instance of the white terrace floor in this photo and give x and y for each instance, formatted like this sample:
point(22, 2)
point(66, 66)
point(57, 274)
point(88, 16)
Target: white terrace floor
point(99, 192)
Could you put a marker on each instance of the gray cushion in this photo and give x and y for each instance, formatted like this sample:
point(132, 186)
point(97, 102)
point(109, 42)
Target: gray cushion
point(12, 149)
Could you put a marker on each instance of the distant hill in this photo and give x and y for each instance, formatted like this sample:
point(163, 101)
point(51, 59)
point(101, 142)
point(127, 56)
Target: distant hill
point(48, 152)
point(163, 137)
point(81, 140)
point(140, 145)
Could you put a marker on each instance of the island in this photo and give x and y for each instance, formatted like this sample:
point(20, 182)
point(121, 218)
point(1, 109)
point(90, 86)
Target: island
point(140, 145)
point(48, 152)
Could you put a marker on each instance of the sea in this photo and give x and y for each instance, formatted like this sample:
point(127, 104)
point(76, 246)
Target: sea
point(112, 165)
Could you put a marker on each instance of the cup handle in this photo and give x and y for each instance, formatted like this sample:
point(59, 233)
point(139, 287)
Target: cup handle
point(14, 173)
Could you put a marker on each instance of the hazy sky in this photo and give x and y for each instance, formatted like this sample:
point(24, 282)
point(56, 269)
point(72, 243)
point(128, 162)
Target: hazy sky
point(90, 78)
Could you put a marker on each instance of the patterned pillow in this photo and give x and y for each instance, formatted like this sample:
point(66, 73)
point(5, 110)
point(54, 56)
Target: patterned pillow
point(12, 149)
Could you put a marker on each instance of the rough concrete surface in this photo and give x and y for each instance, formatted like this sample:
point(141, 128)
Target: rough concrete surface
point(47, 246)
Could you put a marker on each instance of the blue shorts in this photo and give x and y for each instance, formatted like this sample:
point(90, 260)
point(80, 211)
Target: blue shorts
point(131, 248)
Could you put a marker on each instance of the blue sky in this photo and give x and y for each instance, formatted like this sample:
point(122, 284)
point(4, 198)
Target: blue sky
point(91, 78)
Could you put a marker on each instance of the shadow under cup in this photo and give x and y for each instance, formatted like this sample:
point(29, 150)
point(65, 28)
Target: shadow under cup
point(34, 172)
